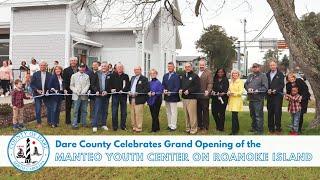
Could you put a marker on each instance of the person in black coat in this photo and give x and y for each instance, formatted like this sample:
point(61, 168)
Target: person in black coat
point(67, 73)
point(219, 98)
point(275, 98)
point(101, 87)
point(190, 87)
point(119, 82)
point(303, 91)
point(138, 96)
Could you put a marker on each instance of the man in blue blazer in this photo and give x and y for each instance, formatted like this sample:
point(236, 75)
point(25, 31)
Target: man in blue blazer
point(40, 85)
point(171, 85)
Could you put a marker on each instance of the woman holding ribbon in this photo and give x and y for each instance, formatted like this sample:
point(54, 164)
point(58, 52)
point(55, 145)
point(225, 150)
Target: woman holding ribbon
point(235, 104)
point(219, 98)
point(155, 99)
point(56, 91)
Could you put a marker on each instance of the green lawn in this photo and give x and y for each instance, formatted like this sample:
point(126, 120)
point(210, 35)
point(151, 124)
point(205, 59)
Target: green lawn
point(165, 173)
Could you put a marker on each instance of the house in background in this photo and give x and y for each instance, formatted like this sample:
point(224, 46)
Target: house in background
point(59, 29)
point(182, 60)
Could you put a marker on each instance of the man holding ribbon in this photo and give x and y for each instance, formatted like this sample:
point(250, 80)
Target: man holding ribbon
point(171, 85)
point(190, 89)
point(256, 86)
point(206, 83)
point(40, 86)
point(102, 87)
point(138, 97)
point(275, 98)
point(79, 85)
point(120, 86)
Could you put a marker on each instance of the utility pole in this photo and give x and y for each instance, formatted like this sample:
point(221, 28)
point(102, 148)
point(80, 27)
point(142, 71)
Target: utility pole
point(238, 55)
point(245, 47)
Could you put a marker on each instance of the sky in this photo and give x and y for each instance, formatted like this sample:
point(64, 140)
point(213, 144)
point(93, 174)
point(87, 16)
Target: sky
point(257, 13)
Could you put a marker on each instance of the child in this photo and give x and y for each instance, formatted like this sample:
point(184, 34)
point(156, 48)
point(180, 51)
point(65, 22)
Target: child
point(17, 102)
point(294, 108)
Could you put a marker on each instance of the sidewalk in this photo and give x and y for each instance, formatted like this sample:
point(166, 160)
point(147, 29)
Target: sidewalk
point(7, 100)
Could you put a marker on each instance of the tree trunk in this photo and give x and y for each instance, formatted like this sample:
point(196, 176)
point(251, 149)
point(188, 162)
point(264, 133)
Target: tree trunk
point(302, 47)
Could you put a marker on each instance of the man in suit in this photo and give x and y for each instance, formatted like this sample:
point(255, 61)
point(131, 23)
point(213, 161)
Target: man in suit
point(67, 73)
point(119, 83)
point(206, 83)
point(79, 85)
point(40, 85)
point(102, 88)
point(139, 84)
point(190, 86)
point(171, 83)
point(274, 98)
point(93, 75)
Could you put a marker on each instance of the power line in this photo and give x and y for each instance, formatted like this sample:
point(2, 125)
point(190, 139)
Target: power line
point(263, 29)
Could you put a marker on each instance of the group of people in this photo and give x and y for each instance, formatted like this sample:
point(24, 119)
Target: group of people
point(77, 83)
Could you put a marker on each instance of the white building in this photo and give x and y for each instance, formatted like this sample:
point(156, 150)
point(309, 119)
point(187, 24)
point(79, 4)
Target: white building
point(51, 30)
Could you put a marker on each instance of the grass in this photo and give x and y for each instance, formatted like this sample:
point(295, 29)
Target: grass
point(312, 103)
point(165, 173)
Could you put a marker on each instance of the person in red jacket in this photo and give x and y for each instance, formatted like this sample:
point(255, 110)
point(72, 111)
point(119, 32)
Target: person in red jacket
point(17, 104)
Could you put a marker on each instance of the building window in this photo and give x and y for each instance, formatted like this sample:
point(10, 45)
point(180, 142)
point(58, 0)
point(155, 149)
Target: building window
point(164, 63)
point(145, 64)
point(4, 52)
point(149, 62)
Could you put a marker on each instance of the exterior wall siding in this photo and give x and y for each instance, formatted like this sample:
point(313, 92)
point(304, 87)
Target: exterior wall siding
point(127, 56)
point(41, 47)
point(125, 39)
point(75, 26)
point(167, 36)
point(39, 19)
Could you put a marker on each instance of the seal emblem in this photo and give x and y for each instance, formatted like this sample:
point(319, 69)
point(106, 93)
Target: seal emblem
point(28, 151)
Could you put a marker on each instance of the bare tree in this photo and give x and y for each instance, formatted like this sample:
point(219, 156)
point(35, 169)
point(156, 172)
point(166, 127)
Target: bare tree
point(301, 46)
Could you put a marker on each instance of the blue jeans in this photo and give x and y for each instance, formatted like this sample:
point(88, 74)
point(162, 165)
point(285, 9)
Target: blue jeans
point(55, 112)
point(119, 99)
point(256, 113)
point(47, 102)
point(100, 111)
point(295, 121)
point(80, 105)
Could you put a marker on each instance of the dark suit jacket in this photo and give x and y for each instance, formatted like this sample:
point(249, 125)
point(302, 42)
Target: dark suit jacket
point(116, 82)
point(142, 87)
point(54, 83)
point(36, 82)
point(67, 73)
point(191, 82)
point(172, 85)
point(96, 83)
point(277, 84)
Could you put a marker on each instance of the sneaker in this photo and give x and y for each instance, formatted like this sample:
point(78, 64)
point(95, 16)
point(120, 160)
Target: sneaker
point(94, 129)
point(124, 129)
point(16, 127)
point(21, 127)
point(105, 128)
point(75, 127)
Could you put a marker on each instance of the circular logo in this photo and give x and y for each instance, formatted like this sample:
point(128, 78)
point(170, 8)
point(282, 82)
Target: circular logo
point(28, 151)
